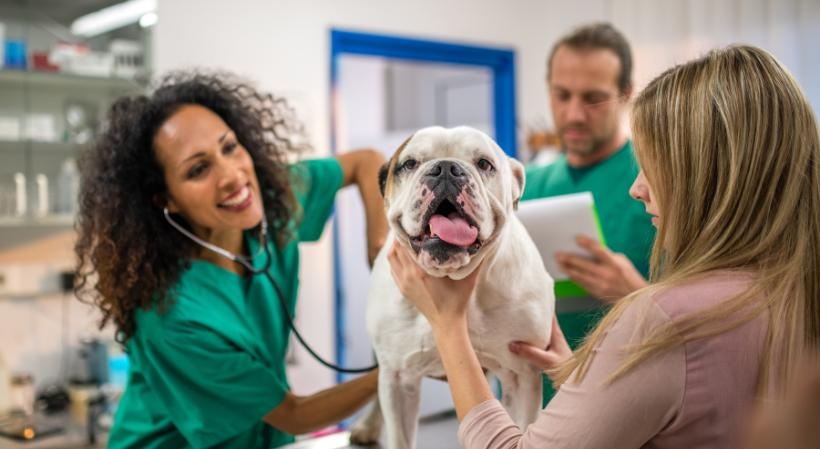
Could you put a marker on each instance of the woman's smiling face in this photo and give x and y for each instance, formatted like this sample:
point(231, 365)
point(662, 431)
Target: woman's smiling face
point(209, 175)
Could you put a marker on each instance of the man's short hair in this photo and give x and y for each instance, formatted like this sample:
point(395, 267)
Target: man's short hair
point(599, 36)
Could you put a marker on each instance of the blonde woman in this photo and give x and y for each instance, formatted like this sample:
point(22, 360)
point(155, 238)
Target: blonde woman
point(730, 159)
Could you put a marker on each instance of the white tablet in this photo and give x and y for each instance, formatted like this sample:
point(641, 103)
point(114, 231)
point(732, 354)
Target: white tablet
point(554, 222)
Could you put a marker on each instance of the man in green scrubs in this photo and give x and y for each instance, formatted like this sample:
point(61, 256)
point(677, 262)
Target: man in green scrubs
point(590, 82)
point(205, 371)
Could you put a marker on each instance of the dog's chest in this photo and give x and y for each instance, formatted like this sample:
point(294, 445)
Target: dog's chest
point(491, 326)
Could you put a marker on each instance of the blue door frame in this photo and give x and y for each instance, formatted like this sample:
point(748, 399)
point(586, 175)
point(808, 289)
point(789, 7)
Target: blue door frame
point(500, 61)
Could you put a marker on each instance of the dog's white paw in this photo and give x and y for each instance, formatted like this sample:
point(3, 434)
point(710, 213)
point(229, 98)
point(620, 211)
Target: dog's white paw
point(364, 434)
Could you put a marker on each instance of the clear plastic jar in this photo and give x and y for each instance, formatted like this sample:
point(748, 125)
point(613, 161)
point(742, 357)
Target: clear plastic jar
point(5, 388)
point(22, 393)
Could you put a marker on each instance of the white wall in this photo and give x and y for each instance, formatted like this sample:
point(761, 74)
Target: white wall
point(667, 33)
point(41, 335)
point(284, 45)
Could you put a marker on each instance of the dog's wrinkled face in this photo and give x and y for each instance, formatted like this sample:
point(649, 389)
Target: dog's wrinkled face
point(448, 193)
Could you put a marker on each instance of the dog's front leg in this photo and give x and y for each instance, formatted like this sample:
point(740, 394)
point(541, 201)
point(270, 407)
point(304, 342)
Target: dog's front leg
point(399, 396)
point(521, 395)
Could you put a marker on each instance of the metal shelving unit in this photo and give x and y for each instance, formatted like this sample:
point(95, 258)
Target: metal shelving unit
point(33, 95)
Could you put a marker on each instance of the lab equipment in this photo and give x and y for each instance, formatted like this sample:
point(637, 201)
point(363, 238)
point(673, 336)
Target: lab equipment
point(22, 393)
point(15, 54)
point(68, 185)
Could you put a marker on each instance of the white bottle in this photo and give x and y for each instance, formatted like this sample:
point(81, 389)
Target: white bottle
point(42, 195)
point(20, 193)
point(68, 187)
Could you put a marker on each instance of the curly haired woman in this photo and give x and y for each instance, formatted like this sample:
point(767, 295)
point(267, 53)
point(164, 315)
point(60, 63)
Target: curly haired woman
point(730, 172)
point(206, 339)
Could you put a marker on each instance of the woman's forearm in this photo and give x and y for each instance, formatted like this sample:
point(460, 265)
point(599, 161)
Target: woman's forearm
point(468, 385)
point(368, 184)
point(301, 414)
point(361, 167)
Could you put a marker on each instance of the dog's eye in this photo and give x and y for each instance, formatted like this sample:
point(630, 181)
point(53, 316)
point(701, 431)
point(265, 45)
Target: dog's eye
point(485, 165)
point(409, 164)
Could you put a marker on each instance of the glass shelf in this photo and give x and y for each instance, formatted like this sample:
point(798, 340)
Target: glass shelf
point(65, 80)
point(46, 220)
point(38, 145)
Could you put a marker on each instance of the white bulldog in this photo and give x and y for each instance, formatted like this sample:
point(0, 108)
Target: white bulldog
point(450, 196)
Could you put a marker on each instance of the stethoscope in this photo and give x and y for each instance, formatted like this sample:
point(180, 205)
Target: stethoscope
point(248, 264)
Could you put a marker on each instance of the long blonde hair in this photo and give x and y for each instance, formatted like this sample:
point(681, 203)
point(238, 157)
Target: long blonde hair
point(731, 148)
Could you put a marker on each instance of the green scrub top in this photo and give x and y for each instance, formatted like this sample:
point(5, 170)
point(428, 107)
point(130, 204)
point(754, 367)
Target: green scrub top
point(206, 371)
point(626, 226)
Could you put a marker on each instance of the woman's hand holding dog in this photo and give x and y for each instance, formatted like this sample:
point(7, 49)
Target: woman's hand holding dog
point(443, 301)
point(547, 359)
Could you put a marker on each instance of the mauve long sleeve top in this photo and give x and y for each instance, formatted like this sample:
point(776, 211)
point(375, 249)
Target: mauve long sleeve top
point(694, 396)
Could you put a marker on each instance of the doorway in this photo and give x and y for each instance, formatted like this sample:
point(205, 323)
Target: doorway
point(383, 88)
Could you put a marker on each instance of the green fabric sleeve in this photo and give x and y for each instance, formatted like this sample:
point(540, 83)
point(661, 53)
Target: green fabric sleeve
point(534, 179)
point(317, 181)
point(212, 390)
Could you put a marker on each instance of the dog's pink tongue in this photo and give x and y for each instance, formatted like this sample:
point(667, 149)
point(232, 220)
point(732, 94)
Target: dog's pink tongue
point(453, 230)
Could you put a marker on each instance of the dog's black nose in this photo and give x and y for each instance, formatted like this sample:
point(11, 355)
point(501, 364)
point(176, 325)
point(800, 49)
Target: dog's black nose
point(446, 169)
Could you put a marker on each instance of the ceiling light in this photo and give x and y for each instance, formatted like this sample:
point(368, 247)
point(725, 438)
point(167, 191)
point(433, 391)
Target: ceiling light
point(112, 17)
point(148, 19)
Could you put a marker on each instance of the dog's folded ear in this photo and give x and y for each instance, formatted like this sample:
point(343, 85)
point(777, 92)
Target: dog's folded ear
point(383, 176)
point(518, 186)
point(384, 171)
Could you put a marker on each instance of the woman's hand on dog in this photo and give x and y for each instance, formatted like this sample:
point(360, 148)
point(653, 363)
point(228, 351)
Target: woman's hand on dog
point(443, 301)
point(547, 359)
